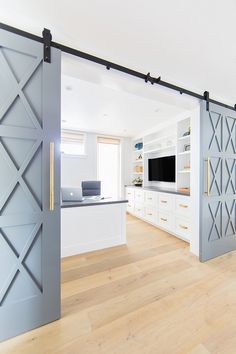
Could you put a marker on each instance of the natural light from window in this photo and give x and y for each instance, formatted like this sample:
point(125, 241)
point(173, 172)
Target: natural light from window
point(72, 143)
point(109, 166)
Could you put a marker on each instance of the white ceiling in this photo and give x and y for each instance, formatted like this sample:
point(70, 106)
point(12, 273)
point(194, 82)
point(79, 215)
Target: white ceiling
point(189, 43)
point(91, 107)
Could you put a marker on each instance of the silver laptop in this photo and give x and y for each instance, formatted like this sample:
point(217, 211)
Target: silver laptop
point(71, 194)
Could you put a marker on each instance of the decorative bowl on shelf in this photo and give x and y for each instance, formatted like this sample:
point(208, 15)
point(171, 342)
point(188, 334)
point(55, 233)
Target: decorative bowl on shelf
point(138, 146)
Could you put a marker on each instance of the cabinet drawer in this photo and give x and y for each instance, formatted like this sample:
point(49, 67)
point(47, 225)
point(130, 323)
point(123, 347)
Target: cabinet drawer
point(138, 196)
point(182, 205)
point(150, 198)
point(182, 227)
point(165, 202)
point(130, 194)
point(130, 207)
point(165, 220)
point(151, 215)
point(139, 210)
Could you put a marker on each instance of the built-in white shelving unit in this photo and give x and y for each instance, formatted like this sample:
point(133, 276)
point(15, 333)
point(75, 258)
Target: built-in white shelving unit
point(174, 139)
point(183, 153)
point(137, 161)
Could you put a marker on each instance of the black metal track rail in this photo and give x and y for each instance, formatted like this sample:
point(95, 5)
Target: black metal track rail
point(110, 65)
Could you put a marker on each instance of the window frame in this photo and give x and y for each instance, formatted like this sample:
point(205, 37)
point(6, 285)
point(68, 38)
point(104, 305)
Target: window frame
point(74, 132)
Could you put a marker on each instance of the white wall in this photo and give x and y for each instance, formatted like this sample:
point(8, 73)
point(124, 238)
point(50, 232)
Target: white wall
point(75, 169)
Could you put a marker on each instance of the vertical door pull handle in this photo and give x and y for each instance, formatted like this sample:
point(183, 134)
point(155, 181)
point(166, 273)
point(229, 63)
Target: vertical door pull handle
point(51, 192)
point(208, 191)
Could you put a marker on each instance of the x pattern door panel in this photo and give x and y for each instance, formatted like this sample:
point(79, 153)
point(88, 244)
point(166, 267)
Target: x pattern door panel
point(21, 161)
point(29, 231)
point(218, 221)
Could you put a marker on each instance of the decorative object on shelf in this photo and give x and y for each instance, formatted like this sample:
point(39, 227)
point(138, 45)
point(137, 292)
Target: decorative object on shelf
point(187, 147)
point(140, 157)
point(139, 169)
point(187, 132)
point(138, 182)
point(138, 146)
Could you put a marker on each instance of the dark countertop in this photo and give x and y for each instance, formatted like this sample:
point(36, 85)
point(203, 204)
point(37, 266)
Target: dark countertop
point(161, 190)
point(92, 202)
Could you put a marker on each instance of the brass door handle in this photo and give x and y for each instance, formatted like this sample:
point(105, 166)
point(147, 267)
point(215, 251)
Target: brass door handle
point(163, 219)
point(51, 192)
point(183, 206)
point(208, 160)
point(183, 227)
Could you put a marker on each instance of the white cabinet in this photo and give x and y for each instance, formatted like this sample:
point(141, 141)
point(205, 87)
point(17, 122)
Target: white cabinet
point(151, 215)
point(139, 210)
point(130, 194)
point(130, 207)
point(165, 220)
point(138, 195)
point(182, 205)
point(170, 212)
point(151, 198)
point(166, 201)
point(182, 227)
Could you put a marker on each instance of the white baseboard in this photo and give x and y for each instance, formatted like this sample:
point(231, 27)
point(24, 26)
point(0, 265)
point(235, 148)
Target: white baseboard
point(93, 246)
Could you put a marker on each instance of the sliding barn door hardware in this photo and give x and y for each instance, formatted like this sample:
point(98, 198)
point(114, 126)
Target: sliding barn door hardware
point(152, 80)
point(48, 43)
point(206, 96)
point(47, 40)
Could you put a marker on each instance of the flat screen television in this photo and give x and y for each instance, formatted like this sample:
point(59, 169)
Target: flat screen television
point(162, 169)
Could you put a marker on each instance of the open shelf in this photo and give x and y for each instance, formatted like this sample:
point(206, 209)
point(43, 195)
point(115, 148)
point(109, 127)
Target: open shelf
point(171, 137)
point(185, 171)
point(185, 152)
point(184, 137)
point(161, 149)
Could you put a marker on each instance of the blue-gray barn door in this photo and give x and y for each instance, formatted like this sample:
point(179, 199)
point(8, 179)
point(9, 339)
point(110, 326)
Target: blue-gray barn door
point(29, 230)
point(218, 181)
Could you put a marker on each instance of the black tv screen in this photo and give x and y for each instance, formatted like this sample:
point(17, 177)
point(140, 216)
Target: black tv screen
point(162, 169)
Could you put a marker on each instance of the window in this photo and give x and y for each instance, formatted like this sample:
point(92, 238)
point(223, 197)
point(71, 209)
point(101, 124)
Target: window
point(72, 143)
point(109, 166)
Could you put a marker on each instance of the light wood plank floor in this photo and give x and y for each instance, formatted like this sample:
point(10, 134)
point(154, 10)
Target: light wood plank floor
point(149, 297)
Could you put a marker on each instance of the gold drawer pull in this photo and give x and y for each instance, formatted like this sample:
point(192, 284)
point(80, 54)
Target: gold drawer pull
point(183, 206)
point(129, 193)
point(150, 214)
point(163, 219)
point(183, 227)
point(129, 205)
point(163, 201)
point(139, 209)
point(149, 198)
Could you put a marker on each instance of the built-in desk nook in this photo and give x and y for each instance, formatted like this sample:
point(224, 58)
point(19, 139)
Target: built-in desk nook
point(92, 225)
